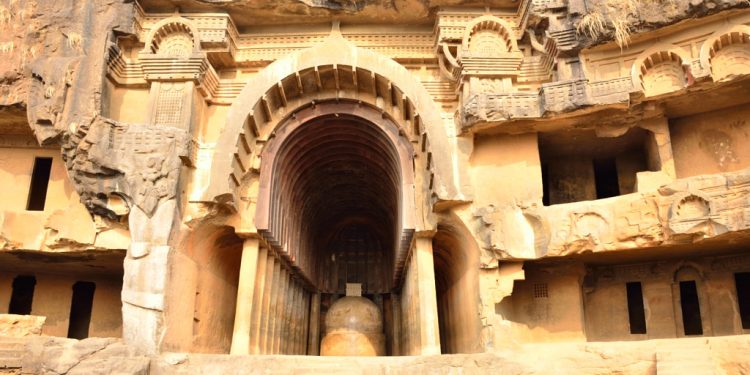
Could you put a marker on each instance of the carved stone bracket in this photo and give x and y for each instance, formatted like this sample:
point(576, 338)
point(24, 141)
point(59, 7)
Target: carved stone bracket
point(138, 162)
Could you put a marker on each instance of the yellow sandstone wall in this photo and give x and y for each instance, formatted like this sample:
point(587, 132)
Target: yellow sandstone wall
point(536, 316)
point(498, 157)
point(16, 165)
point(52, 299)
point(712, 142)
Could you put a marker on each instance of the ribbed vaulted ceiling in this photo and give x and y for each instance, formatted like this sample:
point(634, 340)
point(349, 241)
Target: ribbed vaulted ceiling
point(336, 179)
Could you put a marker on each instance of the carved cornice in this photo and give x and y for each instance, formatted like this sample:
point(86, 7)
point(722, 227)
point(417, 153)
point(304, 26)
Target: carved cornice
point(452, 22)
point(220, 38)
point(163, 68)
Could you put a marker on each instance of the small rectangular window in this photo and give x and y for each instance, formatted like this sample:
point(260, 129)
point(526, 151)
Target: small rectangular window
point(22, 295)
point(742, 280)
point(691, 310)
point(80, 310)
point(605, 178)
point(39, 182)
point(636, 312)
point(545, 184)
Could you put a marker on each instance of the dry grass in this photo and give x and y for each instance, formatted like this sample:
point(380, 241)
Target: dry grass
point(622, 32)
point(593, 24)
point(5, 15)
point(74, 40)
point(15, 11)
point(7, 47)
point(30, 55)
point(614, 16)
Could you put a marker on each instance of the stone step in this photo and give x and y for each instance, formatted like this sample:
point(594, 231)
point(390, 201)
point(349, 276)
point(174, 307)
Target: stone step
point(11, 352)
point(688, 356)
point(10, 362)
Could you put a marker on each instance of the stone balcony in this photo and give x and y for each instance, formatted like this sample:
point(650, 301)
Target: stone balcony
point(554, 97)
point(710, 209)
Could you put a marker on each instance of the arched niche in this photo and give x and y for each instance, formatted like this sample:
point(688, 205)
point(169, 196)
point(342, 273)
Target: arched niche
point(173, 37)
point(728, 53)
point(456, 259)
point(661, 71)
point(203, 277)
point(690, 302)
point(489, 36)
point(334, 70)
point(690, 207)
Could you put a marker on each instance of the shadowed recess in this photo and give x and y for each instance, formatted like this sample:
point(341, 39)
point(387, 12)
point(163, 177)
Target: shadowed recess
point(335, 203)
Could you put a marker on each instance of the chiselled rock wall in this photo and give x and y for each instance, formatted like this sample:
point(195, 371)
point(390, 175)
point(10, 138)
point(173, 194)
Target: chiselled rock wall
point(52, 68)
point(165, 119)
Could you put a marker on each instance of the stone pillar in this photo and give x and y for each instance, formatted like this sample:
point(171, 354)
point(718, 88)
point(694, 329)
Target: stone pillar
point(300, 342)
point(261, 276)
point(299, 320)
point(291, 333)
point(145, 277)
point(494, 285)
point(313, 346)
point(152, 156)
point(305, 329)
point(660, 150)
point(289, 304)
point(245, 290)
point(272, 269)
point(280, 325)
point(272, 306)
point(429, 331)
point(396, 337)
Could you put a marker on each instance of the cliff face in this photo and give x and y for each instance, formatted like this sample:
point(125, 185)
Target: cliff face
point(52, 68)
point(281, 12)
point(601, 21)
point(52, 57)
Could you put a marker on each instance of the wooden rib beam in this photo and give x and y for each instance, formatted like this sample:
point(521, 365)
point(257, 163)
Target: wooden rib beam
point(282, 94)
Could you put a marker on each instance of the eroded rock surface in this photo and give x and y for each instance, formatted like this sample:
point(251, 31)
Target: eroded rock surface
point(49, 355)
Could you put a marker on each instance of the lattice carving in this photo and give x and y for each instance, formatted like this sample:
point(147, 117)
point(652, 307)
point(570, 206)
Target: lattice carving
point(169, 104)
point(541, 290)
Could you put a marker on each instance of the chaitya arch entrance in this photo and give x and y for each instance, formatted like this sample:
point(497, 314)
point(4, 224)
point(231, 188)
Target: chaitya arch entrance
point(336, 209)
point(331, 147)
point(336, 196)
